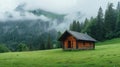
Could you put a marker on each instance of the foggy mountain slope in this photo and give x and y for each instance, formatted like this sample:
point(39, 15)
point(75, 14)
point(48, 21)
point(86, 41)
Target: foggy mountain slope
point(57, 21)
point(32, 27)
point(51, 15)
point(36, 21)
point(38, 12)
point(26, 31)
point(20, 13)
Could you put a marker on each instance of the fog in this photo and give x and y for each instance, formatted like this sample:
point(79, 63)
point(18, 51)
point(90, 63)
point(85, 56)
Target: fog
point(58, 6)
point(73, 9)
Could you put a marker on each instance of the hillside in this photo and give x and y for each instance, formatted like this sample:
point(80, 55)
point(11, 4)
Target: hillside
point(29, 27)
point(38, 12)
point(30, 32)
point(51, 15)
point(106, 54)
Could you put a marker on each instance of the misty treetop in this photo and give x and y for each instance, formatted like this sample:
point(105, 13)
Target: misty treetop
point(34, 33)
point(102, 26)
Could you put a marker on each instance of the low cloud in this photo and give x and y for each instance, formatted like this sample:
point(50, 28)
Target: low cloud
point(74, 10)
point(18, 16)
point(88, 8)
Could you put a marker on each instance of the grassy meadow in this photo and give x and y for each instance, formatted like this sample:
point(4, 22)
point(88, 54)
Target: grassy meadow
point(106, 54)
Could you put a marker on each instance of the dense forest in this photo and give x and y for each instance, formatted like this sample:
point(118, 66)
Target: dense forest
point(32, 34)
point(29, 34)
point(103, 26)
point(25, 35)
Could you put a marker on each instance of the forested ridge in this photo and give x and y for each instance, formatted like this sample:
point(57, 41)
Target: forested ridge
point(32, 33)
point(29, 34)
point(103, 26)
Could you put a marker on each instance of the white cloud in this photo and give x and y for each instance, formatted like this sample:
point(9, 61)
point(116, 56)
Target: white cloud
point(51, 5)
point(87, 7)
point(7, 5)
point(13, 15)
point(44, 18)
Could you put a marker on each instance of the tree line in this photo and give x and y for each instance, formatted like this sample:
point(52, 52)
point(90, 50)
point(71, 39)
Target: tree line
point(27, 35)
point(103, 26)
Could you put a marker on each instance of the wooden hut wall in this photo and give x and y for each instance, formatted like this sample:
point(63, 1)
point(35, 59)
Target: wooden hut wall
point(72, 40)
point(85, 45)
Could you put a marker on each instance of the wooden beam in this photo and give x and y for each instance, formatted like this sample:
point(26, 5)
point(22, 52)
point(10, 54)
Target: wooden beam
point(76, 44)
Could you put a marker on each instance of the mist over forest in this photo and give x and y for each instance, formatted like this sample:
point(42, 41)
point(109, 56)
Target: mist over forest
point(32, 27)
point(38, 29)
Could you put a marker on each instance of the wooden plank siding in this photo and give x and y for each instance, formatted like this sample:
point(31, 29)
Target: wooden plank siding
point(85, 45)
point(77, 45)
point(72, 40)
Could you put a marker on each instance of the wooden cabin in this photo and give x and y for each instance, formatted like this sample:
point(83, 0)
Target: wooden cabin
point(72, 40)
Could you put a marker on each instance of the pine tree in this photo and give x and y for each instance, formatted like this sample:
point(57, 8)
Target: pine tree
point(86, 22)
point(117, 32)
point(118, 18)
point(99, 25)
point(74, 26)
point(110, 20)
point(84, 25)
point(71, 26)
point(78, 28)
point(91, 28)
point(48, 43)
point(118, 7)
point(81, 26)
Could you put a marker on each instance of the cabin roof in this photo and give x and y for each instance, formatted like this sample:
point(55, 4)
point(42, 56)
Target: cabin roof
point(78, 36)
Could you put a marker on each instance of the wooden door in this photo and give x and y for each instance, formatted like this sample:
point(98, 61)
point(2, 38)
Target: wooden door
point(69, 44)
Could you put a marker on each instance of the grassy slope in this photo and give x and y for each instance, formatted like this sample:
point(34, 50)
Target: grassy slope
point(102, 56)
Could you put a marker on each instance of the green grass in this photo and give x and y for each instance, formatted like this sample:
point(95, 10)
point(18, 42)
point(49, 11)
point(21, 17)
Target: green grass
point(103, 56)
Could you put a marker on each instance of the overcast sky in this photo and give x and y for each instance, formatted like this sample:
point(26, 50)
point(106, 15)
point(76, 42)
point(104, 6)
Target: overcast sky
point(86, 7)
